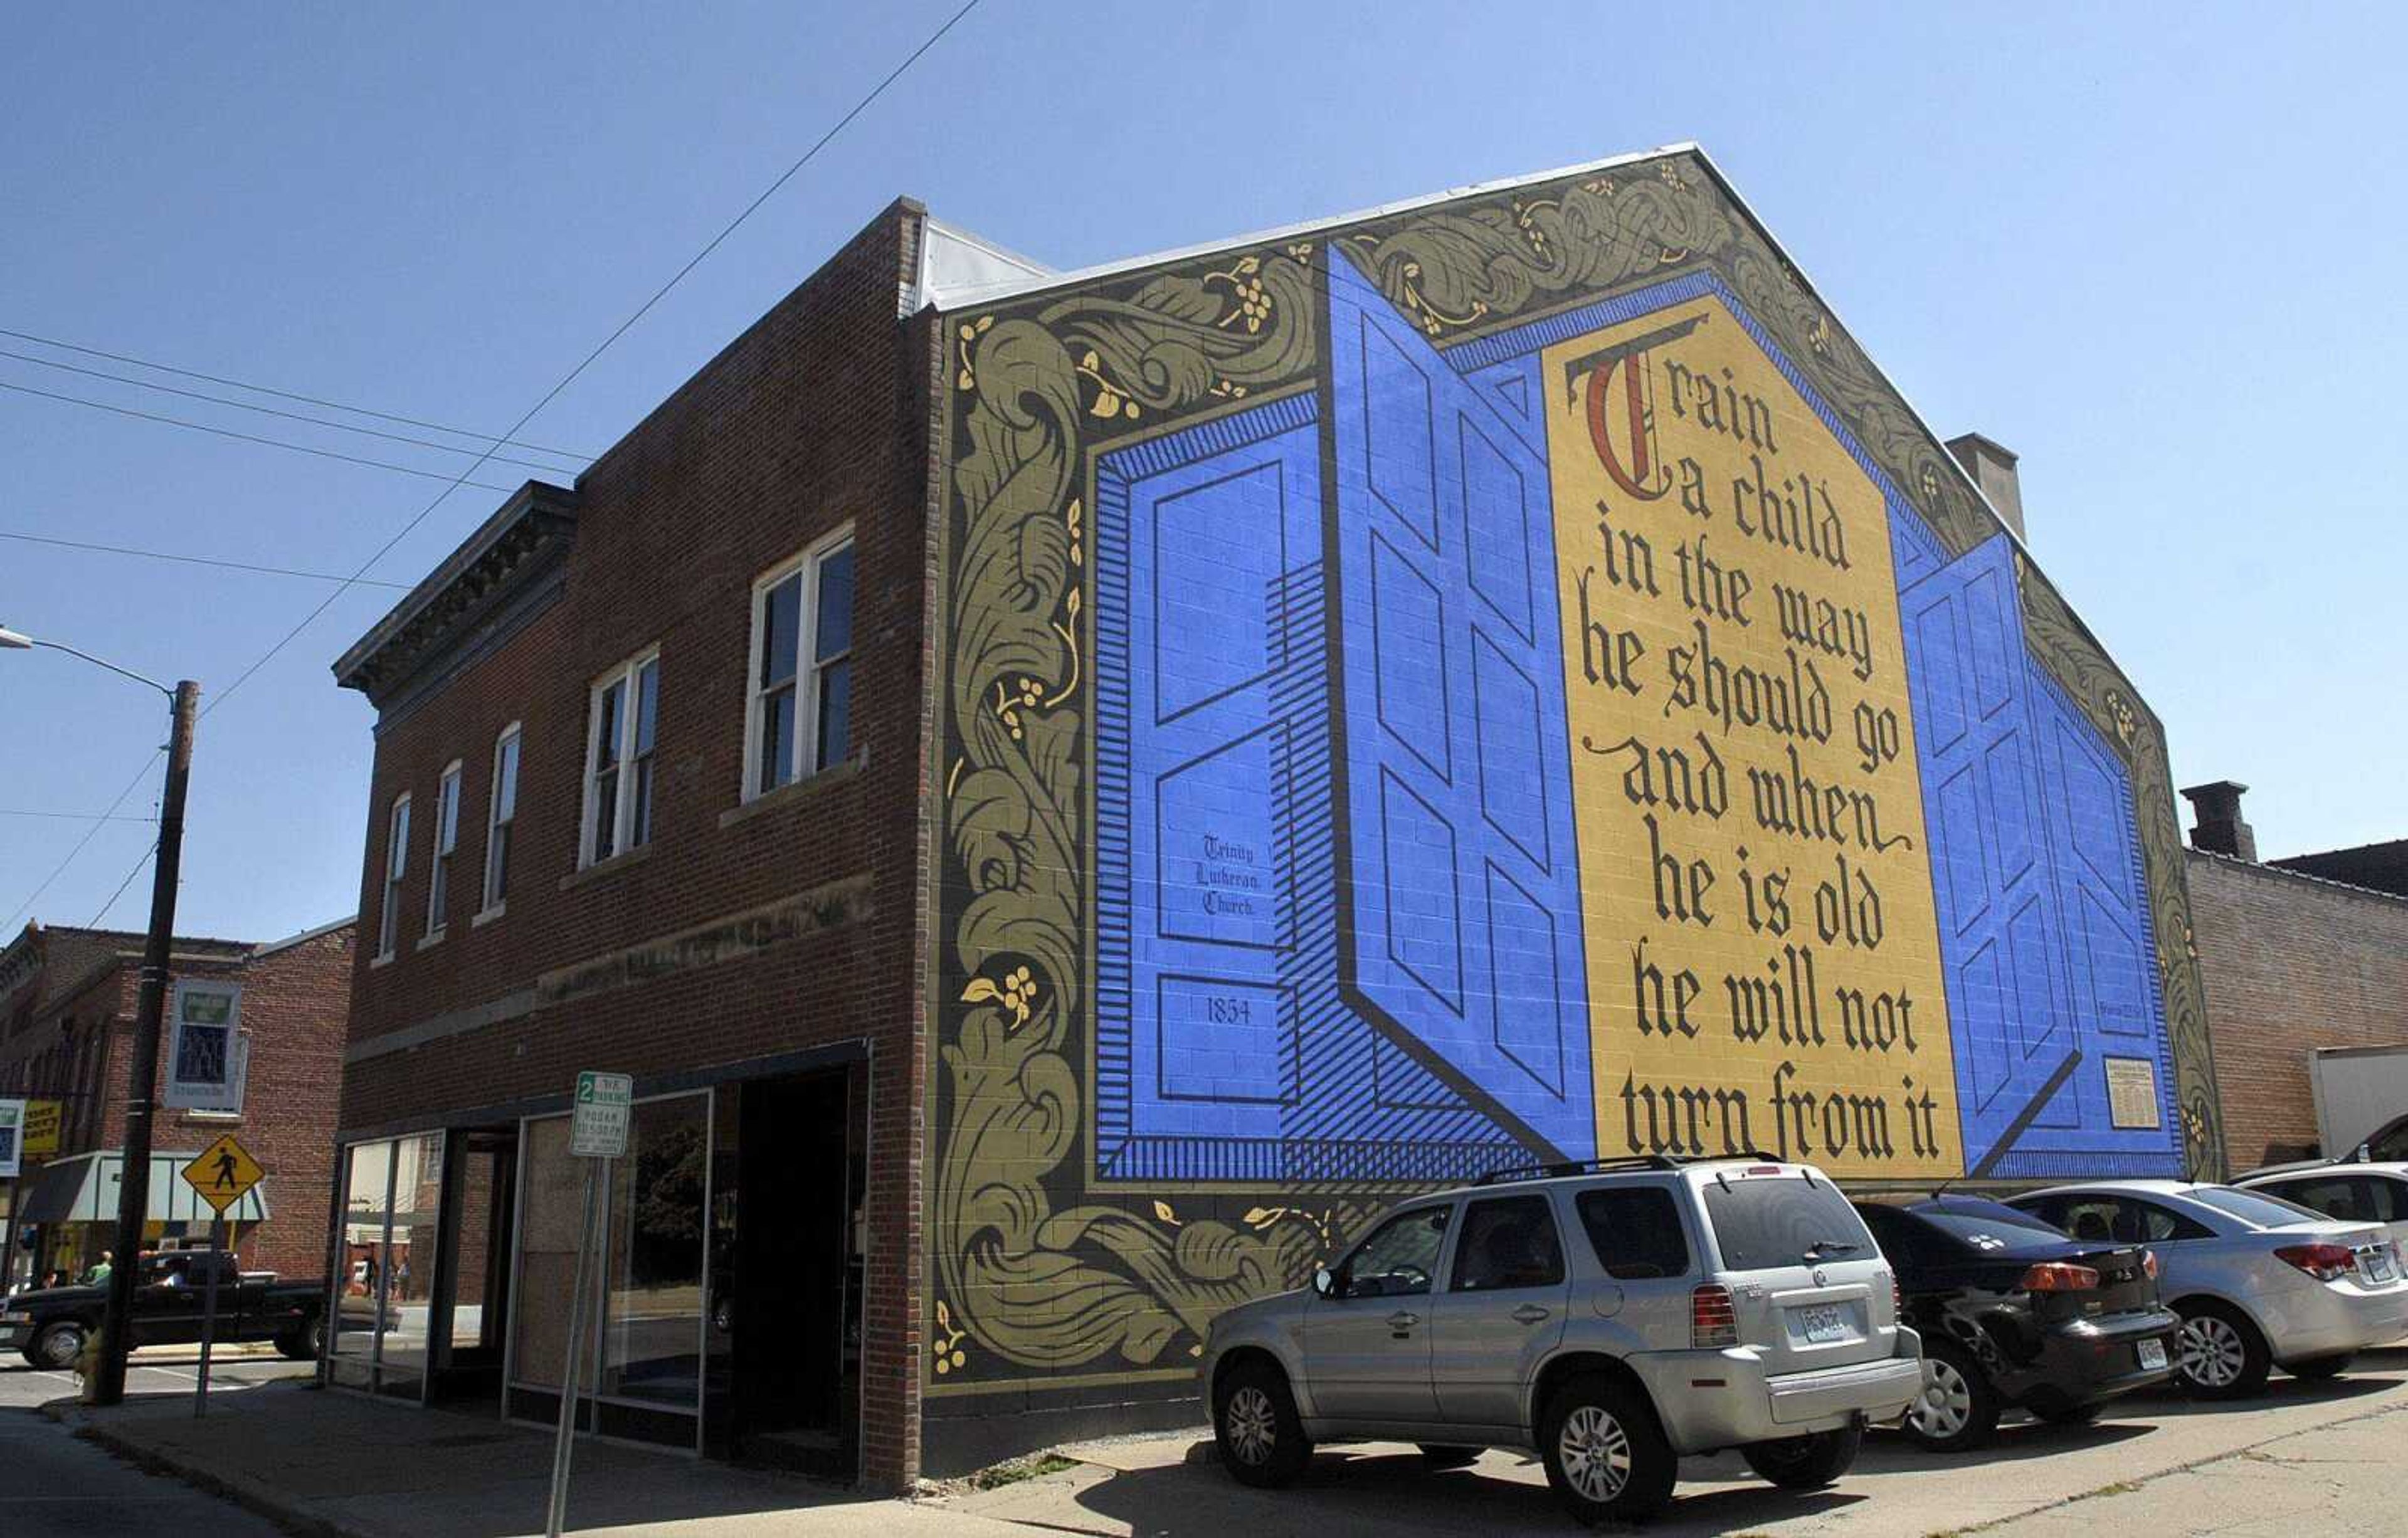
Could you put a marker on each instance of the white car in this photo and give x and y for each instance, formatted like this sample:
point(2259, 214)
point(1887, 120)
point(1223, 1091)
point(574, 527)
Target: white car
point(2353, 1193)
point(2260, 1282)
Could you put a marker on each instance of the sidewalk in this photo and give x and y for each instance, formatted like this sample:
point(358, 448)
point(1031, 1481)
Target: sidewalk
point(347, 1466)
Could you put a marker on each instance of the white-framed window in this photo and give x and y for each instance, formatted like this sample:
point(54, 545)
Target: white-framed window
point(446, 844)
point(396, 865)
point(619, 732)
point(501, 812)
point(798, 712)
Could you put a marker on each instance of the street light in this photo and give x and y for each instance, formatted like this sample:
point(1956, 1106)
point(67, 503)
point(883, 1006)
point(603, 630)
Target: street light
point(133, 1188)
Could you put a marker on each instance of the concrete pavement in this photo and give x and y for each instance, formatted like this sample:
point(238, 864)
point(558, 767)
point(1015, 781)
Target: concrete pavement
point(159, 1369)
point(341, 1463)
point(1152, 1486)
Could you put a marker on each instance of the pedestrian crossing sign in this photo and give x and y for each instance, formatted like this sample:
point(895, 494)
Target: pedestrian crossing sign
point(224, 1175)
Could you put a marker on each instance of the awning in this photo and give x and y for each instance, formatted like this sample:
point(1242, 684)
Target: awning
point(83, 1190)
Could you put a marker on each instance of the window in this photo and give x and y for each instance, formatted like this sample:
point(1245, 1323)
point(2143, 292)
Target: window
point(1636, 1231)
point(800, 716)
point(446, 843)
point(2351, 1200)
point(2253, 1208)
point(1508, 1241)
point(1398, 1259)
point(1784, 1221)
point(619, 758)
point(396, 865)
point(502, 810)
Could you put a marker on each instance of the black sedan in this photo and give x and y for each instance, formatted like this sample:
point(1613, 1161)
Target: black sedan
point(2016, 1313)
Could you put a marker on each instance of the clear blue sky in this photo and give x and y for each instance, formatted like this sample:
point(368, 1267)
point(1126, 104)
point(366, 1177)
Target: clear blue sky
point(2156, 250)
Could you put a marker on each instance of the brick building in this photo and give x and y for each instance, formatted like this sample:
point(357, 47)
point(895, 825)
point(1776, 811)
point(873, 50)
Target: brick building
point(67, 1005)
point(2294, 960)
point(1069, 791)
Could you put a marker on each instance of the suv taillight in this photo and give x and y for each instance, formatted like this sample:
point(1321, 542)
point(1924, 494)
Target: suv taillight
point(1897, 1298)
point(2324, 1262)
point(1712, 1324)
point(2059, 1277)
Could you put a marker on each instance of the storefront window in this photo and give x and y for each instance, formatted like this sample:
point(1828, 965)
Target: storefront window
point(392, 1205)
point(653, 1309)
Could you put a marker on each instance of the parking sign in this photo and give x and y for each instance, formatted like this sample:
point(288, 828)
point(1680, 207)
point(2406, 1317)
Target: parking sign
point(599, 1127)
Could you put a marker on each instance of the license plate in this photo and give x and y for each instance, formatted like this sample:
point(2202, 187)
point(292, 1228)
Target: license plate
point(1822, 1323)
point(2153, 1356)
point(2377, 1265)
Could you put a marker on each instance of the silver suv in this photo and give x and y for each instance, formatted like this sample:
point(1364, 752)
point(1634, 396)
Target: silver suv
point(1613, 1316)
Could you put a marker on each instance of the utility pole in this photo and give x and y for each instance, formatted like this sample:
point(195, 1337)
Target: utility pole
point(142, 1081)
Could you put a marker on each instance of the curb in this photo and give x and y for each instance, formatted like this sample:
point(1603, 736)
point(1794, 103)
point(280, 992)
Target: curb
point(250, 1494)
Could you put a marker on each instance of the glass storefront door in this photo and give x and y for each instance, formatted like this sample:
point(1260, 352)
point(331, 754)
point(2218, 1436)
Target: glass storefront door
point(385, 1265)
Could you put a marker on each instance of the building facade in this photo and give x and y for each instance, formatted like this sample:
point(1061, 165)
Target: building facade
point(2294, 960)
point(69, 999)
point(1138, 768)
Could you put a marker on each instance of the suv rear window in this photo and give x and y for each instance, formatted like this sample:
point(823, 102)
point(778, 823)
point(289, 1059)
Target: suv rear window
point(1766, 1222)
point(1636, 1231)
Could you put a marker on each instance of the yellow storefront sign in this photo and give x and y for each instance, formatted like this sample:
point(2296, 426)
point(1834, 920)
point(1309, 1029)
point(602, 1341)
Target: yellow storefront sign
point(1763, 955)
point(44, 1119)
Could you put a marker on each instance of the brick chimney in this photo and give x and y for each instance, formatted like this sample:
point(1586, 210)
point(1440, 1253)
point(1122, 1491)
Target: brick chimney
point(1992, 466)
point(2215, 819)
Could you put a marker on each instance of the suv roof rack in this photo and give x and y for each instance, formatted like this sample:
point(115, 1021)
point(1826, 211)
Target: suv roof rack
point(1604, 1166)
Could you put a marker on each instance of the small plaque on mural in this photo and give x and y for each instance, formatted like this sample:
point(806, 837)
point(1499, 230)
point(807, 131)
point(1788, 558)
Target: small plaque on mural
point(2132, 1092)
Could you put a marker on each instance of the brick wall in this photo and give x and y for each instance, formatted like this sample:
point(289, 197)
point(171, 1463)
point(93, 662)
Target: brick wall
point(814, 418)
point(2291, 963)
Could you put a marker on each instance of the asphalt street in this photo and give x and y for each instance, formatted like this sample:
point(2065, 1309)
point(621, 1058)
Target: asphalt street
point(55, 1485)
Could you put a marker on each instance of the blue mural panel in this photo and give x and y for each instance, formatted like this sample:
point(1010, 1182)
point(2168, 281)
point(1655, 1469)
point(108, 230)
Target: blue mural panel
point(1460, 865)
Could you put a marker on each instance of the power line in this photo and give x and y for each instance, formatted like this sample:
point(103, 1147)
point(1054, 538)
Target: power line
point(138, 867)
point(620, 330)
point(511, 434)
point(272, 443)
point(69, 816)
point(107, 815)
point(284, 394)
point(198, 559)
point(272, 411)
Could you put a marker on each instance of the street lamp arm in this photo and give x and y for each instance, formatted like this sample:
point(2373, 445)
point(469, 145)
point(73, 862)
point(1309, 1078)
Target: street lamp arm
point(102, 661)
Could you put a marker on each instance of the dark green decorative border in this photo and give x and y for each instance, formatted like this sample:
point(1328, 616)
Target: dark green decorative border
point(1037, 1279)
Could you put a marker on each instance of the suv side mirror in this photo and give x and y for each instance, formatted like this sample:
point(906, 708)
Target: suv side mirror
point(1324, 1282)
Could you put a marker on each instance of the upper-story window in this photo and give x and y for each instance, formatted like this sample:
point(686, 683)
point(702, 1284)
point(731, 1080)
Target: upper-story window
point(800, 716)
point(396, 865)
point(501, 812)
point(446, 843)
point(619, 758)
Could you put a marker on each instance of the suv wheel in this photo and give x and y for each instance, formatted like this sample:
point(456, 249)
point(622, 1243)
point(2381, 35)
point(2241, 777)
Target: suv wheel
point(1255, 1423)
point(1957, 1409)
point(1605, 1456)
point(58, 1345)
point(2219, 1353)
point(1807, 1462)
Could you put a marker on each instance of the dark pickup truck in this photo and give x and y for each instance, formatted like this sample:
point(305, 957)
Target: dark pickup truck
point(49, 1328)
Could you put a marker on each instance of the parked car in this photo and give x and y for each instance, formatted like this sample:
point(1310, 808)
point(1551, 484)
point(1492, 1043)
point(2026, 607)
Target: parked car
point(2260, 1282)
point(2014, 1313)
point(2355, 1194)
point(1614, 1316)
point(49, 1327)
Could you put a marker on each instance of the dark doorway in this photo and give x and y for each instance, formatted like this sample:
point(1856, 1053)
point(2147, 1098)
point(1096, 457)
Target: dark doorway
point(785, 1320)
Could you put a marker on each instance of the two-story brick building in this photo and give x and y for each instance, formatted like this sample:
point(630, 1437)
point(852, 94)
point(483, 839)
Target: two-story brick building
point(67, 1005)
point(1069, 791)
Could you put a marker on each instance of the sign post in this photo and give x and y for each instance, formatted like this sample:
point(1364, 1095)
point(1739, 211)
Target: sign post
point(221, 1177)
point(597, 1133)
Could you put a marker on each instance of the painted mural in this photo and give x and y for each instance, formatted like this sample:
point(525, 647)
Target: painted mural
point(1504, 683)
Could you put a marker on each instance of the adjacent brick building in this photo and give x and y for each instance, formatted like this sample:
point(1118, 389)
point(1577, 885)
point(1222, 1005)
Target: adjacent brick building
point(1067, 793)
point(2294, 962)
point(67, 1005)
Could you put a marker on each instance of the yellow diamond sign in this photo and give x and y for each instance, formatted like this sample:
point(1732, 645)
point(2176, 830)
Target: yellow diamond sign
point(224, 1175)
